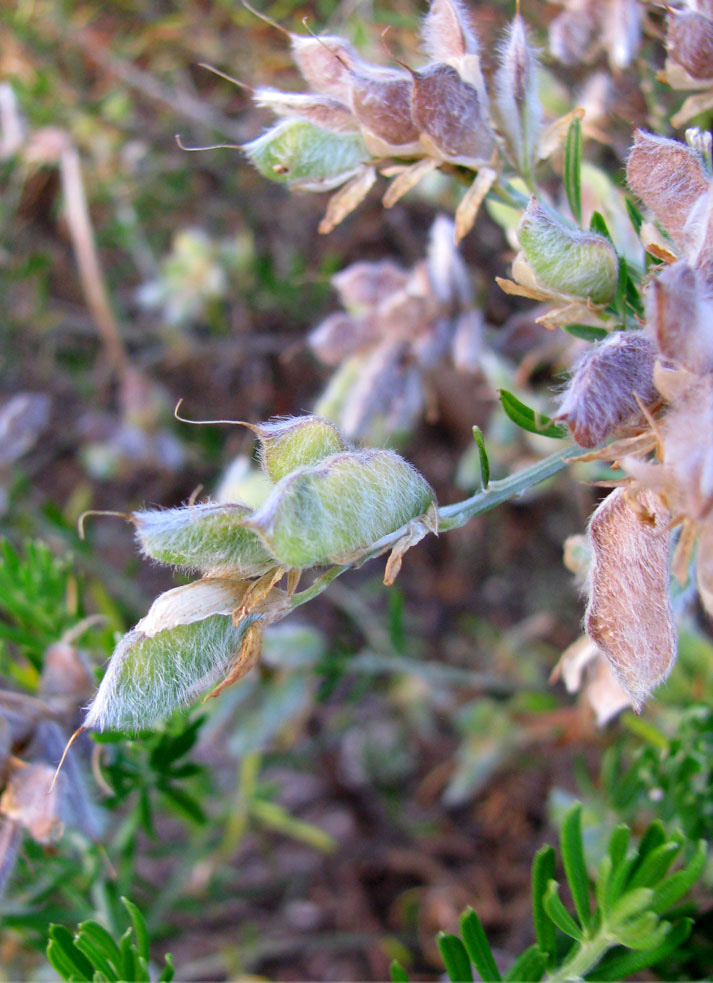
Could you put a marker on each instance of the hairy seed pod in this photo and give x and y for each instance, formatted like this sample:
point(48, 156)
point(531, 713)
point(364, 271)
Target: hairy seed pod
point(298, 153)
point(446, 32)
point(328, 62)
point(670, 179)
point(364, 285)
point(573, 33)
point(565, 259)
point(449, 112)
point(687, 435)
point(185, 643)
point(679, 309)
point(383, 107)
point(602, 393)
point(629, 614)
point(291, 442)
point(516, 97)
point(689, 40)
point(339, 508)
point(323, 111)
point(207, 536)
point(341, 335)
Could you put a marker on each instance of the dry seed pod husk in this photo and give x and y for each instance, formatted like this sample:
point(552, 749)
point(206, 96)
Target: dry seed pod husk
point(341, 335)
point(207, 536)
point(298, 153)
point(186, 642)
point(606, 381)
point(32, 799)
point(328, 62)
point(670, 179)
point(629, 614)
point(573, 34)
point(383, 107)
point(291, 442)
point(687, 436)
point(338, 509)
point(323, 111)
point(450, 113)
point(566, 259)
point(364, 285)
point(689, 41)
point(446, 32)
point(516, 96)
point(678, 317)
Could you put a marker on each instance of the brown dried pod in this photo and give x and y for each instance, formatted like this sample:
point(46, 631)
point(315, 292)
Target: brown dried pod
point(670, 179)
point(573, 34)
point(687, 436)
point(678, 317)
point(629, 614)
point(689, 40)
point(602, 393)
point(383, 107)
point(446, 32)
point(364, 285)
point(323, 111)
point(449, 112)
point(326, 63)
point(341, 335)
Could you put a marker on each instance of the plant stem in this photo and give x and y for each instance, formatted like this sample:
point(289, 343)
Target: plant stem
point(585, 958)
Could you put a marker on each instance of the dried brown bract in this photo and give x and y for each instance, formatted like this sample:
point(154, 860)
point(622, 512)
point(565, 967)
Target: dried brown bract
point(607, 387)
point(629, 614)
point(689, 41)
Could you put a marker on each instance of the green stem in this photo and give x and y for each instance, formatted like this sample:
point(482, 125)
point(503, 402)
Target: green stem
point(454, 516)
point(583, 960)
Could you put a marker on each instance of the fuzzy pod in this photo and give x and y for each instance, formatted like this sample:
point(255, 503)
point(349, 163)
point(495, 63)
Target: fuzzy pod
point(328, 62)
point(606, 381)
point(446, 32)
point(689, 40)
point(298, 153)
point(573, 34)
point(679, 317)
point(516, 96)
point(341, 335)
point(670, 179)
point(383, 108)
point(338, 509)
point(323, 111)
point(449, 112)
point(386, 397)
point(186, 642)
point(629, 614)
point(583, 264)
point(207, 536)
point(291, 442)
point(364, 285)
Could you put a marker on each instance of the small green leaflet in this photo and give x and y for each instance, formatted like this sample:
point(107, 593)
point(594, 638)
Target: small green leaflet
point(483, 455)
point(573, 169)
point(586, 332)
point(528, 419)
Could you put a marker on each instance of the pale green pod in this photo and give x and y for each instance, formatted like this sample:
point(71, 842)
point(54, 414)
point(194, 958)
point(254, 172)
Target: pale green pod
point(205, 537)
point(333, 511)
point(294, 442)
point(186, 642)
point(566, 259)
point(298, 153)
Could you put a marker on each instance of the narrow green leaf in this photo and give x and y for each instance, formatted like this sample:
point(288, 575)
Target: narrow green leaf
point(142, 970)
point(184, 803)
point(477, 946)
point(585, 332)
point(483, 455)
point(58, 960)
point(629, 905)
point(528, 967)
point(604, 873)
point(126, 967)
point(620, 296)
point(397, 973)
point(572, 174)
point(655, 865)
point(139, 926)
point(637, 219)
point(86, 945)
point(168, 971)
point(528, 419)
point(598, 224)
point(559, 914)
point(455, 958)
point(618, 842)
point(673, 888)
point(619, 878)
point(575, 867)
point(102, 939)
point(64, 939)
point(619, 965)
point(645, 932)
point(543, 871)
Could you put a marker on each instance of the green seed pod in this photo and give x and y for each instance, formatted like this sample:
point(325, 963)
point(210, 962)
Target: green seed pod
point(338, 509)
point(206, 537)
point(566, 259)
point(298, 153)
point(186, 642)
point(295, 442)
